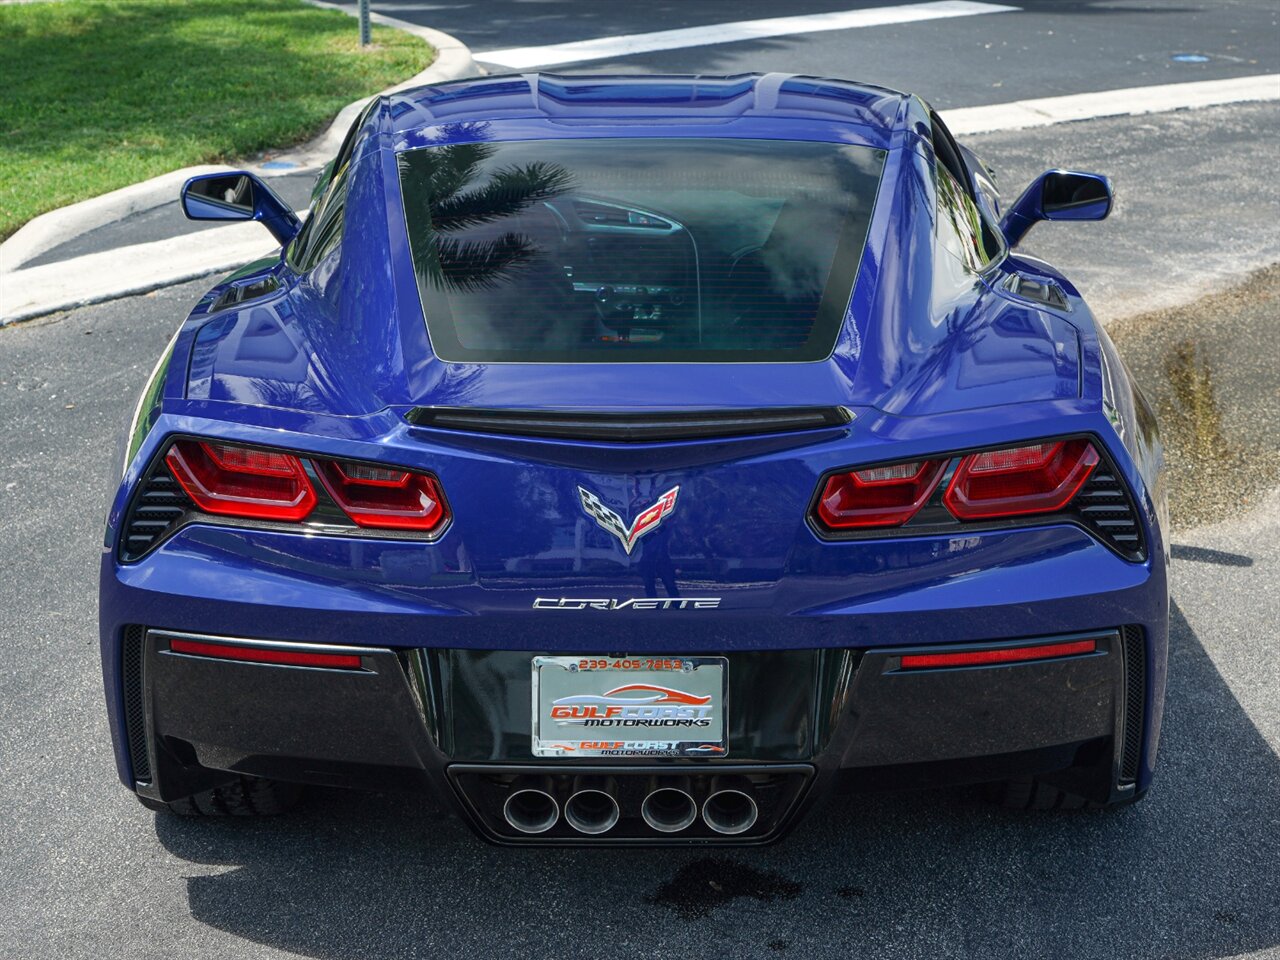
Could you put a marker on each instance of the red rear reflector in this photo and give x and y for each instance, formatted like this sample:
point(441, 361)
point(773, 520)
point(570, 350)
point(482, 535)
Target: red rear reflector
point(383, 498)
point(878, 496)
point(237, 481)
point(293, 658)
point(1037, 478)
point(920, 661)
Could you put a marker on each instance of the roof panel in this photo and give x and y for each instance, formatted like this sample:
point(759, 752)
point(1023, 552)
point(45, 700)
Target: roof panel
point(568, 98)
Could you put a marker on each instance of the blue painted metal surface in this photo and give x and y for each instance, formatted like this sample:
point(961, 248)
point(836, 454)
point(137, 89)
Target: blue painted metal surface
point(1031, 207)
point(927, 362)
point(201, 201)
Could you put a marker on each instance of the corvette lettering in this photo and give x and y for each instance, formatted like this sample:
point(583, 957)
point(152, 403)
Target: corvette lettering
point(631, 603)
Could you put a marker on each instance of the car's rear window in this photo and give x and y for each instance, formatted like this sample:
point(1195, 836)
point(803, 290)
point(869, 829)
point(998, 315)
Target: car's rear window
point(598, 250)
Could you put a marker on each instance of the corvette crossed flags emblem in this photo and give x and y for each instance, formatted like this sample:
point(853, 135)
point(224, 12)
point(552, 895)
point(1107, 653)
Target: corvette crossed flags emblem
point(647, 521)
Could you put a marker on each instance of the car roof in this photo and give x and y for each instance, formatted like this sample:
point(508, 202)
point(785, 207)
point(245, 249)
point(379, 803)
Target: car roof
point(692, 101)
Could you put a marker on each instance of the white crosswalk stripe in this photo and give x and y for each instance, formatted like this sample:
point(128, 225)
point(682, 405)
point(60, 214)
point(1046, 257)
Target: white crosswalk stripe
point(1130, 102)
point(608, 48)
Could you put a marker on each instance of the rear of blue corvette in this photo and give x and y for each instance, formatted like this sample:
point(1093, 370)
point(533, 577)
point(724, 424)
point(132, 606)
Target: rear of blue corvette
point(633, 461)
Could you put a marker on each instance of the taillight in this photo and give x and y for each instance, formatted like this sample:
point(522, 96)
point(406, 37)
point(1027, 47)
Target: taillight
point(242, 481)
point(237, 481)
point(878, 496)
point(1036, 478)
point(384, 498)
point(1031, 478)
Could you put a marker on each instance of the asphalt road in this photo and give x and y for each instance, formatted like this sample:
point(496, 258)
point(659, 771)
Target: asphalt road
point(1046, 48)
point(1189, 873)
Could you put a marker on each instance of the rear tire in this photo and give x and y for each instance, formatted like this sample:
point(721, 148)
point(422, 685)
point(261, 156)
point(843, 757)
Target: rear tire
point(242, 797)
point(1031, 793)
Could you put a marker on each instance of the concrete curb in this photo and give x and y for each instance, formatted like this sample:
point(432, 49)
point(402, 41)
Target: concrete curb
point(43, 233)
point(453, 62)
point(125, 271)
point(1130, 102)
point(58, 226)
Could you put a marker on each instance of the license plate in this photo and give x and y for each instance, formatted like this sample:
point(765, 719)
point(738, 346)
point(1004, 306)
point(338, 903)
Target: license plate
point(629, 706)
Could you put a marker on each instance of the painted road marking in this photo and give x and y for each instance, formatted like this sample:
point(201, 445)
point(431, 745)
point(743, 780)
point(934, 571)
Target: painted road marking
point(1133, 101)
point(608, 48)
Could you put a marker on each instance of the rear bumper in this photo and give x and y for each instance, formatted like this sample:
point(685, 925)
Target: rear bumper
point(802, 722)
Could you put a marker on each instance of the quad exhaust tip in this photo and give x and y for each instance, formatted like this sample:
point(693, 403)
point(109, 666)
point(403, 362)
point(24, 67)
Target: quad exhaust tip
point(591, 811)
point(531, 810)
point(669, 809)
point(730, 811)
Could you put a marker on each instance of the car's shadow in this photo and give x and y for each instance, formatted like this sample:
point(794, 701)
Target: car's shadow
point(1189, 872)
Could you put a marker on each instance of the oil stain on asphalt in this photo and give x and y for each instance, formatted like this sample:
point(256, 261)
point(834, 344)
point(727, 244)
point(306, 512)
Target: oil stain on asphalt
point(711, 882)
point(1209, 368)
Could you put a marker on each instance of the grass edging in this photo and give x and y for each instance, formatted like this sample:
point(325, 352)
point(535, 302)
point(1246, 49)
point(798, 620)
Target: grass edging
point(104, 94)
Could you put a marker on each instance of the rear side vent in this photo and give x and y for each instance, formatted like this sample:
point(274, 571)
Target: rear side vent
point(131, 654)
point(158, 505)
point(1105, 508)
point(1135, 697)
point(1041, 291)
point(240, 292)
point(630, 427)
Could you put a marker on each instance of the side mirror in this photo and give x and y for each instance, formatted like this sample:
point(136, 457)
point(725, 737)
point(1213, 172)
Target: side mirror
point(239, 196)
point(1057, 195)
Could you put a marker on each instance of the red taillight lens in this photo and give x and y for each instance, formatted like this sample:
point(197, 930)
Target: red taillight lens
point(256, 654)
point(384, 498)
point(973, 658)
point(878, 496)
point(237, 481)
point(1037, 478)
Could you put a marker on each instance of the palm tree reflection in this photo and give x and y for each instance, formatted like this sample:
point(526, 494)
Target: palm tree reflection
point(448, 190)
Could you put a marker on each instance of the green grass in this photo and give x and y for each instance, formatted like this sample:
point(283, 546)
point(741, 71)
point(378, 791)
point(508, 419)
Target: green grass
point(99, 94)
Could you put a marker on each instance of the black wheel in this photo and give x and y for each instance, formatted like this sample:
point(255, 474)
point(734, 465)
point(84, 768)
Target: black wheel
point(242, 797)
point(1033, 794)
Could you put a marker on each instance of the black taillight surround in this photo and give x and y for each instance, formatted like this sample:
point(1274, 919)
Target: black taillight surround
point(1103, 506)
point(325, 519)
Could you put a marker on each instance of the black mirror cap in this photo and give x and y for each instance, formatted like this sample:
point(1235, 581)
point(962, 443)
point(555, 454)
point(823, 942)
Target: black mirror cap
point(238, 195)
point(1058, 195)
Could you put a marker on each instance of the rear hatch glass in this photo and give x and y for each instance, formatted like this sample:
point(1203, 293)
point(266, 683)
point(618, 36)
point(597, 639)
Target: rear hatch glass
point(662, 249)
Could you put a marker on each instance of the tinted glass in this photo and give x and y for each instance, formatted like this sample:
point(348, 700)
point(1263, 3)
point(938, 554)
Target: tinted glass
point(596, 250)
point(960, 225)
point(322, 232)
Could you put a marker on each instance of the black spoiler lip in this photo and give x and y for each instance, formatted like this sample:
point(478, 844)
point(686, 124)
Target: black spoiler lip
point(631, 426)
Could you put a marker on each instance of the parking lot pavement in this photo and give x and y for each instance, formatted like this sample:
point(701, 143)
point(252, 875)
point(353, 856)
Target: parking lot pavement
point(1188, 873)
point(1043, 48)
point(1191, 209)
point(964, 54)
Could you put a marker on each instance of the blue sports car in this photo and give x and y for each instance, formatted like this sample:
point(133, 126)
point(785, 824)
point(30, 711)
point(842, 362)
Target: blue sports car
point(634, 460)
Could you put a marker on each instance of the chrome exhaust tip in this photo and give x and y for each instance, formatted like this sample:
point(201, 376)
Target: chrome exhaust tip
point(531, 810)
point(730, 811)
point(591, 811)
point(669, 809)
